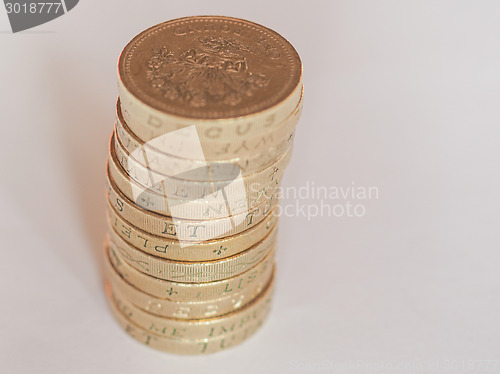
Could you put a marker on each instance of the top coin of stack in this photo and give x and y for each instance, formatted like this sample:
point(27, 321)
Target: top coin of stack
point(206, 117)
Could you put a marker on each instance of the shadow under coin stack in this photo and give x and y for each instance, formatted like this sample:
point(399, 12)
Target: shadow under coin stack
point(206, 117)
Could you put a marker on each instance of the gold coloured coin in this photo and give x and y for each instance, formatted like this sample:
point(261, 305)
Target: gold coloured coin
point(188, 309)
point(186, 231)
point(183, 346)
point(195, 329)
point(192, 272)
point(170, 165)
point(203, 251)
point(227, 76)
point(215, 205)
point(200, 183)
point(182, 292)
point(249, 153)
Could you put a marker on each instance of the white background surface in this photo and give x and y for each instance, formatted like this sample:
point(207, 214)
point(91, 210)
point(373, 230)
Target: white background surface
point(401, 95)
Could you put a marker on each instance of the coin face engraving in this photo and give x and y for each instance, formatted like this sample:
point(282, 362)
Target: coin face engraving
point(215, 71)
point(210, 67)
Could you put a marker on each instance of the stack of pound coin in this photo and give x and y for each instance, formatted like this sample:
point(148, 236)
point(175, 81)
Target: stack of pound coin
point(205, 122)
